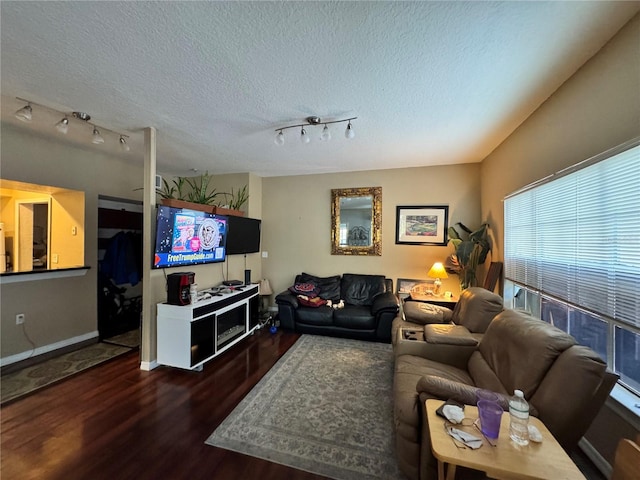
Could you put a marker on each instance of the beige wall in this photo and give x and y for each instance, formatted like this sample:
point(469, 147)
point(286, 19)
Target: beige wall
point(60, 309)
point(598, 108)
point(297, 221)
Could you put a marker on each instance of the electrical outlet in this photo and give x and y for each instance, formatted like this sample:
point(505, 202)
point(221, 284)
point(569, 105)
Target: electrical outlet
point(20, 319)
point(265, 254)
point(74, 230)
point(54, 258)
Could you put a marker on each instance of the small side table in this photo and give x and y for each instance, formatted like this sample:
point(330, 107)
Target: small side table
point(432, 299)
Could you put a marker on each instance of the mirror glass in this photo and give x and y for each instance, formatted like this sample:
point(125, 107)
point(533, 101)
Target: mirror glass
point(356, 217)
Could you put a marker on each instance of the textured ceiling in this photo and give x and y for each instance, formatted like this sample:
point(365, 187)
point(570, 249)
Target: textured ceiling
point(431, 82)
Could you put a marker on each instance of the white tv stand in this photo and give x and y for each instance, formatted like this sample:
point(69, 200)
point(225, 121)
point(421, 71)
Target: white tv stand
point(190, 335)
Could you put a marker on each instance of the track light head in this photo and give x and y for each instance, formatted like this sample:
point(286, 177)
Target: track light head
point(123, 144)
point(279, 140)
point(24, 113)
point(63, 126)
point(97, 138)
point(325, 136)
point(349, 132)
point(304, 137)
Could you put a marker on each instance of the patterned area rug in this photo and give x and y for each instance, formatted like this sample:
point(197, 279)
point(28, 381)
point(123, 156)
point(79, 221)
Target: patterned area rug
point(29, 379)
point(326, 407)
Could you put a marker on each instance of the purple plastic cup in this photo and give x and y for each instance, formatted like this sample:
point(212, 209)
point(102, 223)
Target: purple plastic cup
point(490, 414)
point(488, 395)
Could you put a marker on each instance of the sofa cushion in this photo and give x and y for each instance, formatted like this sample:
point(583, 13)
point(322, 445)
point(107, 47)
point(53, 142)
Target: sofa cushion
point(329, 286)
point(420, 312)
point(476, 308)
point(322, 316)
point(355, 317)
point(520, 349)
point(361, 289)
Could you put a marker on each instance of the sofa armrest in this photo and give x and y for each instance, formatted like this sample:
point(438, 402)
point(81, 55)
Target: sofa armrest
point(449, 335)
point(451, 390)
point(386, 300)
point(287, 298)
point(287, 306)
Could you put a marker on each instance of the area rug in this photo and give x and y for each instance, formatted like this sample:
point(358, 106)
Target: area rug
point(30, 379)
point(325, 407)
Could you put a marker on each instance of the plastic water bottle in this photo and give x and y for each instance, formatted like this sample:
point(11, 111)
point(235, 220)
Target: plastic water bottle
point(519, 416)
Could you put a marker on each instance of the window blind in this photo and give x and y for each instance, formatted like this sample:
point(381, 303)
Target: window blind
point(576, 236)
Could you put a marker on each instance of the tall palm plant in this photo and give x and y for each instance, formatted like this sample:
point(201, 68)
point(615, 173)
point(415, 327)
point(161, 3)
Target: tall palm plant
point(470, 252)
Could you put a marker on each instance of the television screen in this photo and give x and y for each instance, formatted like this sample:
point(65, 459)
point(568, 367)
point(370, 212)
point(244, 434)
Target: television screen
point(244, 235)
point(189, 237)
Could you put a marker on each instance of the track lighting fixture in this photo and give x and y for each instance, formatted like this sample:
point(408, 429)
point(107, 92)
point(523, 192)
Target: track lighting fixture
point(313, 120)
point(26, 114)
point(63, 125)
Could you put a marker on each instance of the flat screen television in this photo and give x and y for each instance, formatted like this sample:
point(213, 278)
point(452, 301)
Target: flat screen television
point(244, 235)
point(189, 237)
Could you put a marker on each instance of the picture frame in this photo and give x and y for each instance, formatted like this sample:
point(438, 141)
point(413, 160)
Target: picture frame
point(405, 285)
point(422, 225)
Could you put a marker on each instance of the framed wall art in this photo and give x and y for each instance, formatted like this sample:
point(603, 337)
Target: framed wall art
point(422, 225)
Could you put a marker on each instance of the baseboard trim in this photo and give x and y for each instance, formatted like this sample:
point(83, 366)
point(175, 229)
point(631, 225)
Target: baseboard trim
point(40, 353)
point(148, 366)
point(598, 460)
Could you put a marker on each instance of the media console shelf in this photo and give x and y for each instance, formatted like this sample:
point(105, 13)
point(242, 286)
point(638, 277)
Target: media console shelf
point(190, 335)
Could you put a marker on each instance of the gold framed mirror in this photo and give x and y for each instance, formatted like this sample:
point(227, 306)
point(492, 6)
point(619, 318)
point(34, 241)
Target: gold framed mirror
point(356, 221)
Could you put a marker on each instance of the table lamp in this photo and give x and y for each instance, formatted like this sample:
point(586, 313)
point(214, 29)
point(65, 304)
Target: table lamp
point(265, 291)
point(437, 271)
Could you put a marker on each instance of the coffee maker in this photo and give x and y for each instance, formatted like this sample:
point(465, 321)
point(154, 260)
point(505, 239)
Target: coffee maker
point(178, 288)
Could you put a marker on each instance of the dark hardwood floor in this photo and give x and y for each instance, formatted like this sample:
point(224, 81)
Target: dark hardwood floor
point(116, 421)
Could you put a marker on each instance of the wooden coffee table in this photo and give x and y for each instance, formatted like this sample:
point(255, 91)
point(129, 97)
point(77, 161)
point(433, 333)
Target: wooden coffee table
point(506, 460)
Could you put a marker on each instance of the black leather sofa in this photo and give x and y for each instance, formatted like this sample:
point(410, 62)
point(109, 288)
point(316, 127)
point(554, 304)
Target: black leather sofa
point(369, 307)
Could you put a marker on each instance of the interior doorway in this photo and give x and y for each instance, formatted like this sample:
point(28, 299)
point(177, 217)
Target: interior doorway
point(120, 223)
point(33, 235)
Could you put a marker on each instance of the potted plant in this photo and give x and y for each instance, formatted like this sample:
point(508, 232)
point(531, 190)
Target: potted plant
point(470, 252)
point(235, 201)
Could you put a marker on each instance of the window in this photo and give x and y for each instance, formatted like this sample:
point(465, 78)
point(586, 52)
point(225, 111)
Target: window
point(572, 255)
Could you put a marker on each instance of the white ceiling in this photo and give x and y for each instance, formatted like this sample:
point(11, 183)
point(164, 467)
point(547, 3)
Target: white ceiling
point(431, 83)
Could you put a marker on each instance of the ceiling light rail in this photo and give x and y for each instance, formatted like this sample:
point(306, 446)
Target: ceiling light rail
point(26, 115)
point(313, 120)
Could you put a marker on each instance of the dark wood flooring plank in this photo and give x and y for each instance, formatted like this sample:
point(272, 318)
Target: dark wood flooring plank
point(116, 421)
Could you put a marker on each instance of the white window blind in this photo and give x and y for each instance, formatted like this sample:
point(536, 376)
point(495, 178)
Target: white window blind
point(576, 236)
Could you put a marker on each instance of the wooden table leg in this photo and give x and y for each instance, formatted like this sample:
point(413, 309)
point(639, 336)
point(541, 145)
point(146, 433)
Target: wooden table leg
point(440, 470)
point(451, 471)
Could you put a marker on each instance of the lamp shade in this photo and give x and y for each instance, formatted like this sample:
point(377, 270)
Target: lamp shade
point(265, 287)
point(437, 271)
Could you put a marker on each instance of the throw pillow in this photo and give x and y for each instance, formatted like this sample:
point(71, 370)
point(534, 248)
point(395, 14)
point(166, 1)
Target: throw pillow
point(309, 289)
point(314, 302)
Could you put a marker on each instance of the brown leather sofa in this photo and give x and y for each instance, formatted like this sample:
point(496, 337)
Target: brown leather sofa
point(565, 383)
point(434, 329)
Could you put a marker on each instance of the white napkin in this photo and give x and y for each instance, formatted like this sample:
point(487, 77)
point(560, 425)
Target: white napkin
point(469, 440)
point(453, 413)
